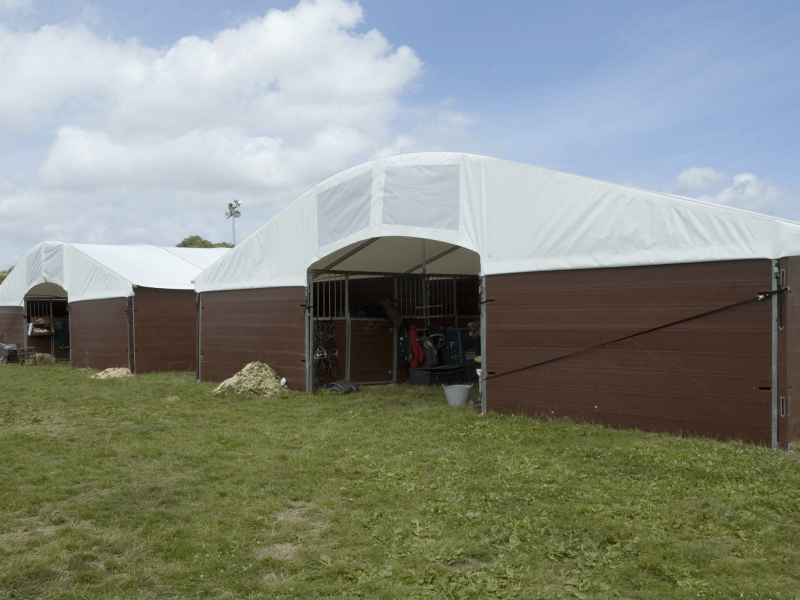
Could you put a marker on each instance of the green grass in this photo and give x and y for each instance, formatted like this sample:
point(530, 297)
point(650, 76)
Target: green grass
point(151, 487)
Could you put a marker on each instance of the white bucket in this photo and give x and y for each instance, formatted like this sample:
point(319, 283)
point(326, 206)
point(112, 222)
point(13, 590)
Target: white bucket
point(457, 394)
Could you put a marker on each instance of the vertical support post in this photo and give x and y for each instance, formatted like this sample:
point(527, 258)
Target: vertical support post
point(25, 320)
point(349, 323)
point(484, 362)
point(52, 331)
point(199, 334)
point(395, 336)
point(774, 419)
point(455, 300)
point(309, 332)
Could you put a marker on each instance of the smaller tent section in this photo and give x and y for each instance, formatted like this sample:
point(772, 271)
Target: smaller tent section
point(105, 306)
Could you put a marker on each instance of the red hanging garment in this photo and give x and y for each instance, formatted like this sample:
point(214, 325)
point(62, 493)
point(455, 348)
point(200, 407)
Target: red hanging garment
point(417, 355)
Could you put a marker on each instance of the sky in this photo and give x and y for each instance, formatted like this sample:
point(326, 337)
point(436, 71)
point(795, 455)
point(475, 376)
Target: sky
point(138, 122)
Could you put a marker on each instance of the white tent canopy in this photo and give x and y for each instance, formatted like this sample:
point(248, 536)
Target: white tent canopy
point(514, 217)
point(94, 271)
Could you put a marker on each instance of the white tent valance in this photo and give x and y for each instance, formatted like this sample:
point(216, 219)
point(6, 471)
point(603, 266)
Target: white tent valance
point(515, 217)
point(93, 271)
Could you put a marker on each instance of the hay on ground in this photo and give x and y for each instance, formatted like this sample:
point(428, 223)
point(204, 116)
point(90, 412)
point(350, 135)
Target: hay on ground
point(112, 373)
point(40, 358)
point(256, 379)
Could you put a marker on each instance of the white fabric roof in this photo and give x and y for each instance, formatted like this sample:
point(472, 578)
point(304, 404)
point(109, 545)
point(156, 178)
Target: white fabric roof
point(514, 217)
point(93, 271)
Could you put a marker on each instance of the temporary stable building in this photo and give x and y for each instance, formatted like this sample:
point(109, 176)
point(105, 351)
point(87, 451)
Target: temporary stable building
point(105, 306)
point(596, 301)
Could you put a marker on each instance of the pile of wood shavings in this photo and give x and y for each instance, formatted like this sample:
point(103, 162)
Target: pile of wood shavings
point(256, 379)
point(112, 373)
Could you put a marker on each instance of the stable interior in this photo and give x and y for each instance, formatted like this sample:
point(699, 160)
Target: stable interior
point(46, 319)
point(372, 298)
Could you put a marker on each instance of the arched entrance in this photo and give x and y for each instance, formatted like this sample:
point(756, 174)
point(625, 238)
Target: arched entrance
point(373, 301)
point(46, 320)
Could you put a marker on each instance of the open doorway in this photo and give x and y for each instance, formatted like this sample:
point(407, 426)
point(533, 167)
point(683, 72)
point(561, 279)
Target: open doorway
point(46, 321)
point(394, 310)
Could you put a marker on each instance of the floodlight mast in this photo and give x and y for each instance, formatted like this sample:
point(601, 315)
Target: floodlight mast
point(234, 214)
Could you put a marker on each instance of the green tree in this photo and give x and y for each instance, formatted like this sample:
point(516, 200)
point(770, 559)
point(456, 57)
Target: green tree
point(196, 241)
point(4, 274)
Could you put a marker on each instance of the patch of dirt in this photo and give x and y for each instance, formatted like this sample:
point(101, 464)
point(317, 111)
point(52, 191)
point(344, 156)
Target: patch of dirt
point(256, 379)
point(37, 530)
point(113, 373)
point(285, 551)
point(173, 398)
point(295, 515)
point(298, 513)
point(45, 428)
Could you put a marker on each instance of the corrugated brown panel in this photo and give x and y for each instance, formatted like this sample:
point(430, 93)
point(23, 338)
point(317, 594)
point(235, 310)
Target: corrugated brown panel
point(99, 333)
point(165, 330)
point(708, 377)
point(241, 326)
point(11, 325)
point(789, 356)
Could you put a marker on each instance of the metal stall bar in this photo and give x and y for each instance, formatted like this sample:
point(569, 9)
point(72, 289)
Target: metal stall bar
point(455, 303)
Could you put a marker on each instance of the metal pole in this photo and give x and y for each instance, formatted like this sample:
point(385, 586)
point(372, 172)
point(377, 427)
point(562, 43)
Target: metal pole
point(395, 336)
point(349, 323)
point(310, 332)
point(199, 334)
point(483, 345)
point(455, 300)
point(25, 319)
point(774, 419)
point(52, 331)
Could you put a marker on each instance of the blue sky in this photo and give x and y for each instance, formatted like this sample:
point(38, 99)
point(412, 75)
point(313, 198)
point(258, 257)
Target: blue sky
point(138, 122)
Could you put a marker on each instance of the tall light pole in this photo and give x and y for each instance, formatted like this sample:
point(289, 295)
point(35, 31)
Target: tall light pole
point(233, 213)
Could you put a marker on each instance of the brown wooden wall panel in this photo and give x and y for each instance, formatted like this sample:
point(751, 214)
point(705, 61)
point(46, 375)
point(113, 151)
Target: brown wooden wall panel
point(99, 333)
point(11, 325)
point(165, 330)
point(371, 350)
point(241, 326)
point(789, 356)
point(708, 377)
point(42, 343)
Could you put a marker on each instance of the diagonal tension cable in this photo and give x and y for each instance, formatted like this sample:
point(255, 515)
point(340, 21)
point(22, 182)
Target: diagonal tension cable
point(761, 296)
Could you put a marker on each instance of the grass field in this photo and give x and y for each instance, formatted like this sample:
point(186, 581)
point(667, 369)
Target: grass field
point(150, 487)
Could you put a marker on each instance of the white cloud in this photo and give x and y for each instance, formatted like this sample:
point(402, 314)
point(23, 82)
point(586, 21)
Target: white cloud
point(9, 5)
point(745, 191)
point(700, 178)
point(750, 193)
point(259, 112)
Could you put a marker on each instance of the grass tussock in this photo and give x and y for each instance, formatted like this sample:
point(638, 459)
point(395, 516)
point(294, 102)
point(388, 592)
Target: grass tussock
point(152, 487)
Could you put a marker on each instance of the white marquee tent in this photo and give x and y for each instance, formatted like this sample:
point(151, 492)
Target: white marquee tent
point(95, 271)
point(517, 218)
